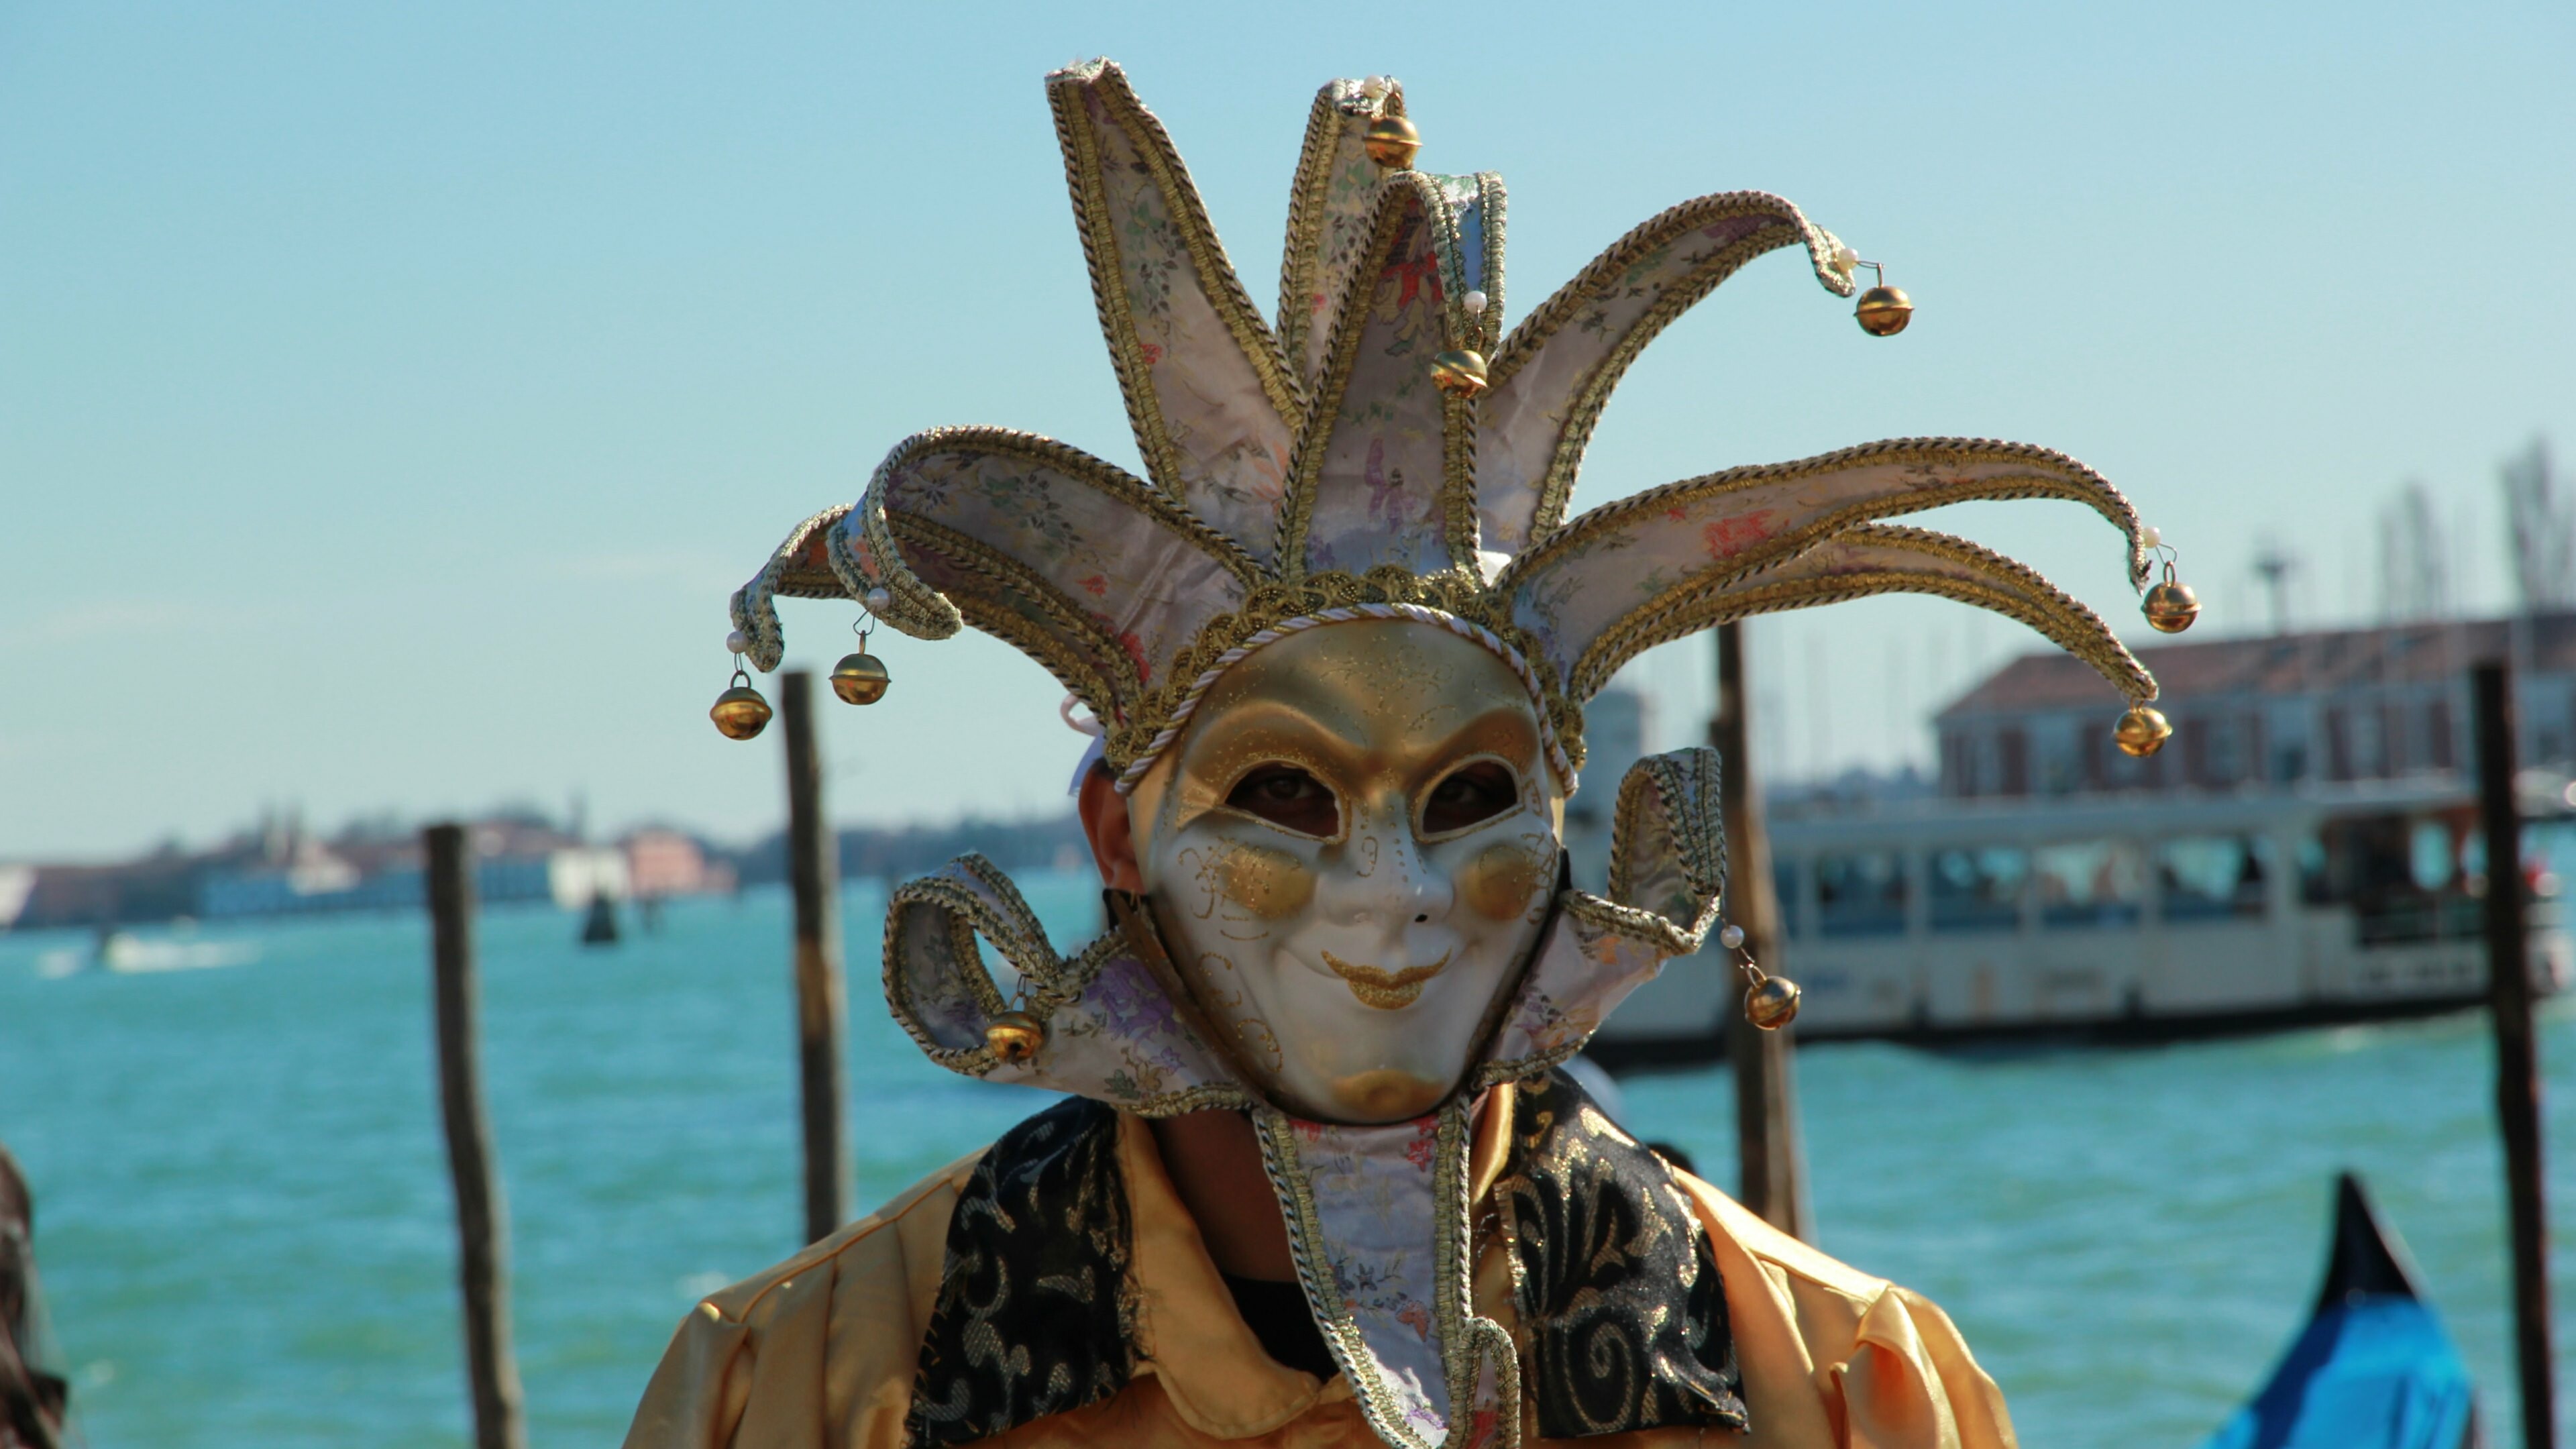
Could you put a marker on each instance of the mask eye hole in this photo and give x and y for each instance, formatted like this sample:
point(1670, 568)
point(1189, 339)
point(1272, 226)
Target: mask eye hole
point(1289, 798)
point(1470, 795)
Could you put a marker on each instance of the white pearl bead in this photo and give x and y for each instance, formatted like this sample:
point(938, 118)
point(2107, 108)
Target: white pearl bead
point(1474, 302)
point(737, 642)
point(1373, 87)
point(879, 599)
point(2151, 537)
point(1731, 936)
point(1846, 261)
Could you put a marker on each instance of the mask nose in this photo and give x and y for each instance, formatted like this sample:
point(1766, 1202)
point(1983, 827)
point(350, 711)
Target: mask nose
point(1391, 885)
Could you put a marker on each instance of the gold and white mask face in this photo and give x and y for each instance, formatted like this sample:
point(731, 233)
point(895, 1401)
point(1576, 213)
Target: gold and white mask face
point(1351, 852)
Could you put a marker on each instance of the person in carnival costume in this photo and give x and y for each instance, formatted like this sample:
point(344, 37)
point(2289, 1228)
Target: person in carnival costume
point(1319, 1178)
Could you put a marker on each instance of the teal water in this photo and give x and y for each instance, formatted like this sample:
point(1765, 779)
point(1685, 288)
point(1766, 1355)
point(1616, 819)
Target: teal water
point(244, 1222)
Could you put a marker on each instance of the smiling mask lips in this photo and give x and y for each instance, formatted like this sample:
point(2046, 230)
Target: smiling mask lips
point(1348, 852)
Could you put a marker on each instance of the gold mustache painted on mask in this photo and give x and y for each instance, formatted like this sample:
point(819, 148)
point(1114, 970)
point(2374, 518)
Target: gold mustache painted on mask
point(1387, 991)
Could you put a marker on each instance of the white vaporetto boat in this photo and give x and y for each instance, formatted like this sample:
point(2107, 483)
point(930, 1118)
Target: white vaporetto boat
point(2124, 917)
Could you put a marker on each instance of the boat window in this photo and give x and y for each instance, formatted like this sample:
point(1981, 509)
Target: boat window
point(2401, 876)
point(1784, 889)
point(2429, 858)
point(2549, 856)
point(2215, 877)
point(2316, 878)
point(2089, 883)
point(1978, 889)
point(1860, 894)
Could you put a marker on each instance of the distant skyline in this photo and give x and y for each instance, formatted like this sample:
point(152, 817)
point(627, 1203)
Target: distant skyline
point(389, 398)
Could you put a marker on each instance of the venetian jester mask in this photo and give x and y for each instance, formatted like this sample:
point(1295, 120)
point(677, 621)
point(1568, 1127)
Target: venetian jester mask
point(1339, 638)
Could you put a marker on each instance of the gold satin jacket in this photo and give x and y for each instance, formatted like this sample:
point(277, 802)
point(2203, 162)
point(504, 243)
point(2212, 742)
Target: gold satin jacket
point(819, 1352)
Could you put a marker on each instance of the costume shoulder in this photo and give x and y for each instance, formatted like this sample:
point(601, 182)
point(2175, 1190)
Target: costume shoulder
point(971, 1303)
point(820, 1349)
point(1832, 1355)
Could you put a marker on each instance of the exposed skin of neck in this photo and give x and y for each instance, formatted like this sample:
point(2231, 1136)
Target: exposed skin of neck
point(1213, 1158)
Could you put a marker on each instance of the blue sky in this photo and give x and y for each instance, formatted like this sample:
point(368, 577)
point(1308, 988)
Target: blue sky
point(390, 396)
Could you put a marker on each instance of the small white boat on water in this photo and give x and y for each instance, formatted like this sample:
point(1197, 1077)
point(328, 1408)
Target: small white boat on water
point(127, 954)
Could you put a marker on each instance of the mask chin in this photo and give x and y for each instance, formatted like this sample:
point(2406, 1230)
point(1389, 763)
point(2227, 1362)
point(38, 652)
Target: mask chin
point(1350, 857)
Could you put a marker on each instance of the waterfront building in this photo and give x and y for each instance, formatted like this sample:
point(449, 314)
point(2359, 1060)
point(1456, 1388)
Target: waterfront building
point(2328, 707)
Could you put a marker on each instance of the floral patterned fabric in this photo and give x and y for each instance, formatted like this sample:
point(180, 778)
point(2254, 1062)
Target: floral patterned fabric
point(1205, 378)
point(1378, 1221)
point(1113, 1033)
point(1090, 560)
point(1329, 207)
point(1660, 546)
point(1555, 371)
point(1393, 443)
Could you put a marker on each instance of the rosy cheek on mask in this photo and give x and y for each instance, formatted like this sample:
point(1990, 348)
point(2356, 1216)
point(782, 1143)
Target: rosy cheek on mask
point(1269, 885)
point(1503, 880)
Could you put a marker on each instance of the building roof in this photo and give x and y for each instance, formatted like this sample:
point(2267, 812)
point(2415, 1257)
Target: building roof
point(2279, 664)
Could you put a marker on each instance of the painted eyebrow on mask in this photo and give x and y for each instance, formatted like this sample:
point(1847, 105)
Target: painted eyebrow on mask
point(1507, 735)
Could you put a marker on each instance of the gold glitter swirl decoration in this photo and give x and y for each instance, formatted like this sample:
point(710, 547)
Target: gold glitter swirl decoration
point(1384, 447)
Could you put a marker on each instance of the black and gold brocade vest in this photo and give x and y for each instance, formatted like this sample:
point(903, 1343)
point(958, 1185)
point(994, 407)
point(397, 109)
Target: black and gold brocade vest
point(1622, 1318)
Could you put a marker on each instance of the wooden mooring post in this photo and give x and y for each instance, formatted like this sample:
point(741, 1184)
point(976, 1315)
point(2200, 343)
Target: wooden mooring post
point(482, 1221)
point(1772, 1168)
point(813, 869)
point(2517, 1055)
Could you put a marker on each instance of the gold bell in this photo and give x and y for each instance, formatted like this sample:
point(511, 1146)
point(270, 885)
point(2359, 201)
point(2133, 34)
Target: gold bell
point(740, 712)
point(1884, 310)
point(859, 678)
point(2171, 606)
point(1015, 1037)
point(1459, 372)
point(2141, 732)
point(1772, 1002)
point(1391, 142)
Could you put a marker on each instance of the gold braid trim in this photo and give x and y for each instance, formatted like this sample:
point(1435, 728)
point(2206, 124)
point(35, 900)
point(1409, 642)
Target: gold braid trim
point(1277, 601)
point(1053, 983)
point(1649, 928)
point(1676, 780)
point(798, 580)
point(922, 611)
point(1574, 435)
point(753, 606)
point(1302, 260)
point(1217, 280)
point(2064, 478)
point(1101, 253)
point(2014, 591)
point(1487, 329)
point(1465, 1339)
point(1038, 450)
point(1078, 670)
point(1645, 237)
point(1637, 922)
point(912, 606)
point(1368, 267)
point(964, 914)
point(1458, 414)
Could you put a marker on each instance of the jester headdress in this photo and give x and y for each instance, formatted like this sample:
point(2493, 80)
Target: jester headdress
point(1312, 472)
